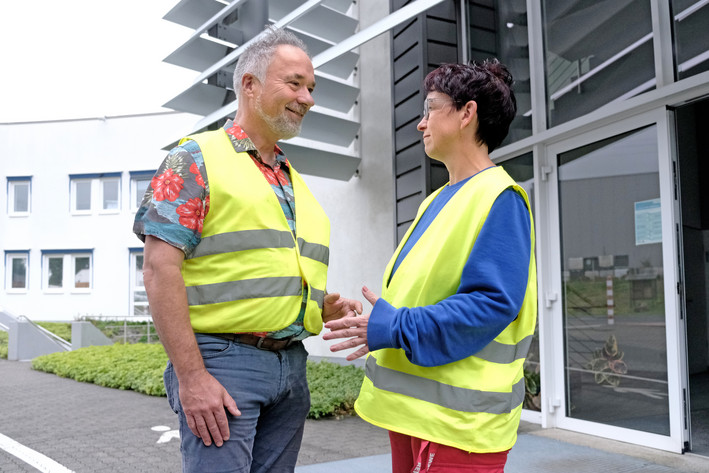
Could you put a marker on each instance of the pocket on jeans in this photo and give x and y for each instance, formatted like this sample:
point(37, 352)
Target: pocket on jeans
point(211, 347)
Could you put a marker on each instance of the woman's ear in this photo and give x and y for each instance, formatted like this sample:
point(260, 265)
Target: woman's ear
point(470, 113)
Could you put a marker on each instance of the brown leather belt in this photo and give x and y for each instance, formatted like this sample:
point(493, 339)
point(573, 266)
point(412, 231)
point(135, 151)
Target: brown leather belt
point(262, 343)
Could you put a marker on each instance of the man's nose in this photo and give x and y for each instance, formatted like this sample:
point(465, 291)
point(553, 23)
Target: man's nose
point(306, 98)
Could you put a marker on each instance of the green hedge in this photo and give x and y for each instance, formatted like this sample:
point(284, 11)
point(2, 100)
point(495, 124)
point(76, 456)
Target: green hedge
point(3, 344)
point(139, 367)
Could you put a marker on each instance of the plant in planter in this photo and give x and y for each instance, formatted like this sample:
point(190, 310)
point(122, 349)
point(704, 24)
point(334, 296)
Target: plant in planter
point(607, 363)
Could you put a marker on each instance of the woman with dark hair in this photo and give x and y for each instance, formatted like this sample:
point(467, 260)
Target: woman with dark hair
point(449, 335)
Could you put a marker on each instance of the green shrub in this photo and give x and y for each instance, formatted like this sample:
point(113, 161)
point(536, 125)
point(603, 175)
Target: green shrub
point(3, 344)
point(138, 367)
point(333, 388)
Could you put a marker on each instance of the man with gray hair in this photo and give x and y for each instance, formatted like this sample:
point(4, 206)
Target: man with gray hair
point(234, 285)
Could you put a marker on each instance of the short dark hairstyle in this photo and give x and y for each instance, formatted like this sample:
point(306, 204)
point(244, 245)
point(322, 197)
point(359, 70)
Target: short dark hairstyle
point(489, 84)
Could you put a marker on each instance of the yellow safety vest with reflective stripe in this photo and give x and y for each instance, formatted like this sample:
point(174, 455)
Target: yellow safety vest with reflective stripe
point(473, 404)
point(248, 272)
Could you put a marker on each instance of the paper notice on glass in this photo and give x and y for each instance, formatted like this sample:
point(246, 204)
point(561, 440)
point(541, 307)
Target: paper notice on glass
point(648, 222)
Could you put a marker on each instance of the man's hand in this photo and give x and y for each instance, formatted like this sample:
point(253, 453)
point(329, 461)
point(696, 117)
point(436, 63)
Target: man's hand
point(335, 307)
point(352, 327)
point(203, 400)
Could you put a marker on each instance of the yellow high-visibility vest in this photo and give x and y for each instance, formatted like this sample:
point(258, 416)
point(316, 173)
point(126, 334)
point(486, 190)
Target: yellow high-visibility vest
point(248, 272)
point(473, 404)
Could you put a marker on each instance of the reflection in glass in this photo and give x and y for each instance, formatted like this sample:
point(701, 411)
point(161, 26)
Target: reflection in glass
point(21, 197)
point(139, 271)
point(595, 52)
point(83, 195)
point(141, 185)
point(19, 273)
point(691, 22)
point(82, 272)
point(499, 30)
point(521, 169)
point(110, 194)
point(140, 297)
point(55, 266)
point(614, 313)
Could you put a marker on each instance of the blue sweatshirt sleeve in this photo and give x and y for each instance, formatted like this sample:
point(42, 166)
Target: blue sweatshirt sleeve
point(490, 295)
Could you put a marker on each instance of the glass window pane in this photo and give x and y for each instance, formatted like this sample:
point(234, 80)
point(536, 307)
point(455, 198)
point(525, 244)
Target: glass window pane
point(19, 272)
point(691, 41)
point(499, 30)
point(595, 53)
point(82, 272)
point(140, 185)
point(521, 169)
point(139, 271)
point(82, 197)
point(21, 197)
point(110, 194)
point(141, 309)
point(613, 299)
point(55, 266)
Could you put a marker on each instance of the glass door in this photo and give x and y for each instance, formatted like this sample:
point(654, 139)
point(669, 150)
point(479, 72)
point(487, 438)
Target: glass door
point(617, 312)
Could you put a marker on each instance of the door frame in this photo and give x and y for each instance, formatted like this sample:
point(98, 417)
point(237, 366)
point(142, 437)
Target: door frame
point(550, 306)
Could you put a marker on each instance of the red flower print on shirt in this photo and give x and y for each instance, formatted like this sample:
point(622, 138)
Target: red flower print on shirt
point(197, 176)
point(237, 132)
point(192, 214)
point(267, 172)
point(167, 186)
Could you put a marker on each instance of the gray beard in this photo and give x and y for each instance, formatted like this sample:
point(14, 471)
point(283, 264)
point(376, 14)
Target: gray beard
point(281, 125)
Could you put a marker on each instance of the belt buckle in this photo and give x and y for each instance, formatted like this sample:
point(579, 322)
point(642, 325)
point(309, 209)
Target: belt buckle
point(259, 343)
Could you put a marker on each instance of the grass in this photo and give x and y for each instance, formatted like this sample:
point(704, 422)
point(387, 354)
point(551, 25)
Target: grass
point(139, 367)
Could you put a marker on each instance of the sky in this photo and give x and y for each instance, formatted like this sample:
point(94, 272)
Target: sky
point(64, 59)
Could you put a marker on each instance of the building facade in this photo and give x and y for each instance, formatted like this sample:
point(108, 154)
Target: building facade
point(609, 141)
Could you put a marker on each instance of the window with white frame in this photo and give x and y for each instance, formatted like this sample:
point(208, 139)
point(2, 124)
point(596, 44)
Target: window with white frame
point(17, 270)
point(110, 193)
point(18, 195)
point(138, 296)
point(95, 193)
point(139, 182)
point(67, 270)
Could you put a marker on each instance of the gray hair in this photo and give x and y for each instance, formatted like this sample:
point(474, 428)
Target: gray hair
point(258, 55)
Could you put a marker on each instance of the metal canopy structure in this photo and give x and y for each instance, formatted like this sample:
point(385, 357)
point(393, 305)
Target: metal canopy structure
point(328, 143)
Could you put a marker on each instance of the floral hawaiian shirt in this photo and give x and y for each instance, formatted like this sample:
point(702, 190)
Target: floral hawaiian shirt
point(177, 201)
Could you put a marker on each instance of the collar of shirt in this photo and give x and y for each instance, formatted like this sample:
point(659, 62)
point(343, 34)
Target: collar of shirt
point(242, 143)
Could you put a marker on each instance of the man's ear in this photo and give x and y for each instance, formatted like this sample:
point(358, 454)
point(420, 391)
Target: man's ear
point(248, 83)
point(470, 112)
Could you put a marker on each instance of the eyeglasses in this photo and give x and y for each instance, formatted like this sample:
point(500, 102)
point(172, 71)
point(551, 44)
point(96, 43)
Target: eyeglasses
point(426, 107)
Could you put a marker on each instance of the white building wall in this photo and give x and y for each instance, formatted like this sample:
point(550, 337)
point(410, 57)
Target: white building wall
point(50, 152)
point(361, 210)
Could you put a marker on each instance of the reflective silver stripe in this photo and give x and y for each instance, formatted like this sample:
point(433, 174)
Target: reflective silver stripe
point(317, 295)
point(243, 240)
point(245, 289)
point(496, 352)
point(314, 251)
point(444, 395)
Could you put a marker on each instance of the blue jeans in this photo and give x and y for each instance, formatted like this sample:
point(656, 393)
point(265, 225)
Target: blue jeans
point(271, 391)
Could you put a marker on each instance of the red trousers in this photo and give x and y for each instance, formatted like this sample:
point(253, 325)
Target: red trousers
point(414, 455)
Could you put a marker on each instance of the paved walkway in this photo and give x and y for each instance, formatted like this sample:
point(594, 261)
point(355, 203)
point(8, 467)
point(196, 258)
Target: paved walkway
point(63, 426)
